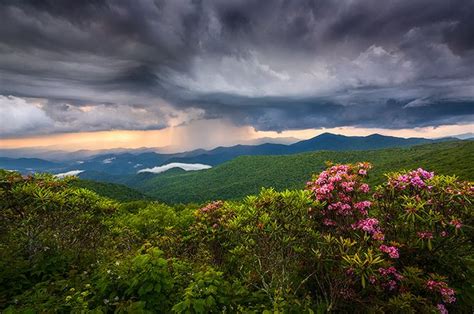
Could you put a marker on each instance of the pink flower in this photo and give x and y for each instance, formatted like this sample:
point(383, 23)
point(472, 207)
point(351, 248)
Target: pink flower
point(348, 186)
point(212, 206)
point(415, 178)
point(442, 309)
point(391, 271)
point(425, 174)
point(362, 206)
point(391, 285)
point(329, 222)
point(369, 225)
point(390, 250)
point(456, 223)
point(425, 235)
point(362, 172)
point(391, 276)
point(364, 188)
point(372, 279)
point(448, 294)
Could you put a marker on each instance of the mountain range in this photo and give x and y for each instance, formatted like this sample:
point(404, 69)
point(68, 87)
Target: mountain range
point(127, 162)
point(246, 175)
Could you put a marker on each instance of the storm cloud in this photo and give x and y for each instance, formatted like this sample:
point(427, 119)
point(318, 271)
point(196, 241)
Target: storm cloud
point(274, 65)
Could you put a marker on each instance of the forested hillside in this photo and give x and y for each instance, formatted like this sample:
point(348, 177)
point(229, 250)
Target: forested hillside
point(114, 191)
point(247, 174)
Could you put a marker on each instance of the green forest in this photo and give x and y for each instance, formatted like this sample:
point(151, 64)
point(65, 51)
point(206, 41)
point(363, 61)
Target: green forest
point(347, 239)
point(248, 174)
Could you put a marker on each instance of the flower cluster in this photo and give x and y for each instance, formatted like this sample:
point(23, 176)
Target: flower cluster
point(340, 187)
point(363, 206)
point(425, 235)
point(442, 309)
point(416, 178)
point(211, 207)
point(211, 214)
point(448, 294)
point(390, 250)
point(369, 225)
point(456, 223)
point(391, 278)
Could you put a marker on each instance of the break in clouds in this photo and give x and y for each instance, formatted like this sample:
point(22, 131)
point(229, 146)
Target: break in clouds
point(69, 66)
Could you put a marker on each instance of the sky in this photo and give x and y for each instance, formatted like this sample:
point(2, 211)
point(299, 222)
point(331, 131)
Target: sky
point(186, 74)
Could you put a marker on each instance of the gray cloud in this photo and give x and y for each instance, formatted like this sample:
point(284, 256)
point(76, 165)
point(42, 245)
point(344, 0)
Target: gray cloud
point(275, 65)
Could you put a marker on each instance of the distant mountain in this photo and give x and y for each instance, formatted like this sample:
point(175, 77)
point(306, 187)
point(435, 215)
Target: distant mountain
point(465, 136)
point(131, 161)
point(28, 164)
point(272, 140)
point(329, 141)
point(67, 156)
point(325, 141)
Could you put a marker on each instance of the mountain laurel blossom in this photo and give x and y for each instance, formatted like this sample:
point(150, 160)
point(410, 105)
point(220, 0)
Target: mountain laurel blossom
point(390, 250)
point(447, 294)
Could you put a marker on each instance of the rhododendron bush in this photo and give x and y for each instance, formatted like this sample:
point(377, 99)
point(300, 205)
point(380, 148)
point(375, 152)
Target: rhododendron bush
point(338, 245)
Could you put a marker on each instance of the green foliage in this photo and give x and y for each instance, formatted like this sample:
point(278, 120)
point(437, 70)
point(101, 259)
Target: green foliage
point(208, 292)
point(113, 191)
point(405, 246)
point(143, 282)
point(46, 228)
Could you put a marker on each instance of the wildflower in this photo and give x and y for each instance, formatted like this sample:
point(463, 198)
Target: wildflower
point(448, 294)
point(390, 250)
point(348, 186)
point(341, 208)
point(390, 272)
point(362, 172)
point(212, 206)
point(369, 225)
point(329, 222)
point(350, 271)
point(391, 285)
point(364, 188)
point(372, 279)
point(425, 174)
point(456, 223)
point(68, 298)
point(425, 235)
point(106, 301)
point(442, 309)
point(362, 206)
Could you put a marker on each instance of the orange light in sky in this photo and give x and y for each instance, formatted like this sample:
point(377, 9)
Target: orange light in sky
point(203, 134)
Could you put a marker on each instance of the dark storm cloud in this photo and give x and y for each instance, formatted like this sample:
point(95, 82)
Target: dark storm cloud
point(275, 65)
